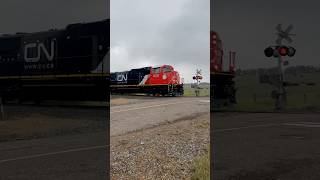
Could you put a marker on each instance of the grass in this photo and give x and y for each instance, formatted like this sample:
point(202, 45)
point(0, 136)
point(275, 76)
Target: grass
point(201, 167)
point(254, 96)
point(204, 91)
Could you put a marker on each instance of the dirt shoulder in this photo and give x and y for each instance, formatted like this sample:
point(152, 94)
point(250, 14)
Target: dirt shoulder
point(162, 152)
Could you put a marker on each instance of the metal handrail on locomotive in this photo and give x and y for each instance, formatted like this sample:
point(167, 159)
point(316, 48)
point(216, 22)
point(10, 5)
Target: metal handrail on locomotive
point(70, 63)
point(162, 80)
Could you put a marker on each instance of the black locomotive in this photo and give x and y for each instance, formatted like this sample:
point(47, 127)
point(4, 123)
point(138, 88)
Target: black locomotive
point(132, 77)
point(162, 80)
point(67, 64)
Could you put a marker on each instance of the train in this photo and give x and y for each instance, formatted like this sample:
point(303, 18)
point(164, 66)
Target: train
point(223, 90)
point(70, 63)
point(158, 80)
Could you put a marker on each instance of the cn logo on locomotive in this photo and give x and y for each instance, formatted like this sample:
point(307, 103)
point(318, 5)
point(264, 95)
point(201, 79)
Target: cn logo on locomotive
point(32, 52)
point(122, 78)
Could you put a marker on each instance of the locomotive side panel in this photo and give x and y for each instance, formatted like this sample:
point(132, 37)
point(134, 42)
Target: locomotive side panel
point(83, 47)
point(132, 77)
point(77, 49)
point(10, 61)
point(71, 63)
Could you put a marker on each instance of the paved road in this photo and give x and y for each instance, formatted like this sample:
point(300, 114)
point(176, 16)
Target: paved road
point(85, 156)
point(68, 157)
point(266, 146)
point(150, 112)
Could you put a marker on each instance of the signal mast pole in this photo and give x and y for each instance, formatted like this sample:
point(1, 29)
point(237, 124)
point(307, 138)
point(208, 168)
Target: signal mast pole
point(282, 95)
point(197, 77)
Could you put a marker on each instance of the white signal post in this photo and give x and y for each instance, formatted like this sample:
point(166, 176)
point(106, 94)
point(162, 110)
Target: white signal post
point(197, 77)
point(282, 95)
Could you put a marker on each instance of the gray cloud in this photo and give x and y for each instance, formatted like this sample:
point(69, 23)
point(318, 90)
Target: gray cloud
point(248, 26)
point(39, 15)
point(147, 33)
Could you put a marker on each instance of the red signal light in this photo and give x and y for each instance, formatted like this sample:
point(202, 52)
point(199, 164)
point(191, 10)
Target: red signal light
point(277, 51)
point(283, 50)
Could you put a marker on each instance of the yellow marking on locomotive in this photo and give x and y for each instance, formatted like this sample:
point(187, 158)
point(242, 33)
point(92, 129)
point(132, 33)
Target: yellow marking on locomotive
point(55, 76)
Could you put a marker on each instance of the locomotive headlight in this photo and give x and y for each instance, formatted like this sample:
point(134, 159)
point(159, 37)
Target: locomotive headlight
point(164, 76)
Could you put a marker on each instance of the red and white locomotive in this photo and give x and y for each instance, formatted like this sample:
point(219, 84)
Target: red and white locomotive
point(162, 80)
point(216, 55)
point(223, 90)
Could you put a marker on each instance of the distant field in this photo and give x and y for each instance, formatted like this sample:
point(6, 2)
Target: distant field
point(254, 96)
point(204, 91)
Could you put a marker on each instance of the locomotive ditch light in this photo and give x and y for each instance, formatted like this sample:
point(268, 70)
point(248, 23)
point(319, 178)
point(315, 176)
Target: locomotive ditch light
point(268, 51)
point(215, 67)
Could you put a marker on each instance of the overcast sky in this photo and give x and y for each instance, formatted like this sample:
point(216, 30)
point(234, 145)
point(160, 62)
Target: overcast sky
point(39, 15)
point(248, 27)
point(156, 32)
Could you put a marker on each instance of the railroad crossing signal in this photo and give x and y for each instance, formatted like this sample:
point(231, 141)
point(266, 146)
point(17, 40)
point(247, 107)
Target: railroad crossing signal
point(277, 51)
point(197, 77)
point(284, 34)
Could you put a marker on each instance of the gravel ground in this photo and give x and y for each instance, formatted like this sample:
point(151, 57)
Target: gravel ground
point(33, 122)
point(161, 152)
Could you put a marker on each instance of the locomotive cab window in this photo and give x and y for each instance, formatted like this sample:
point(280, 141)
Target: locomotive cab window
point(167, 69)
point(156, 70)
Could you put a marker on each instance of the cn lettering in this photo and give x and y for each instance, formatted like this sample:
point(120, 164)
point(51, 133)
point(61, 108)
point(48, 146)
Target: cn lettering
point(40, 47)
point(122, 77)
